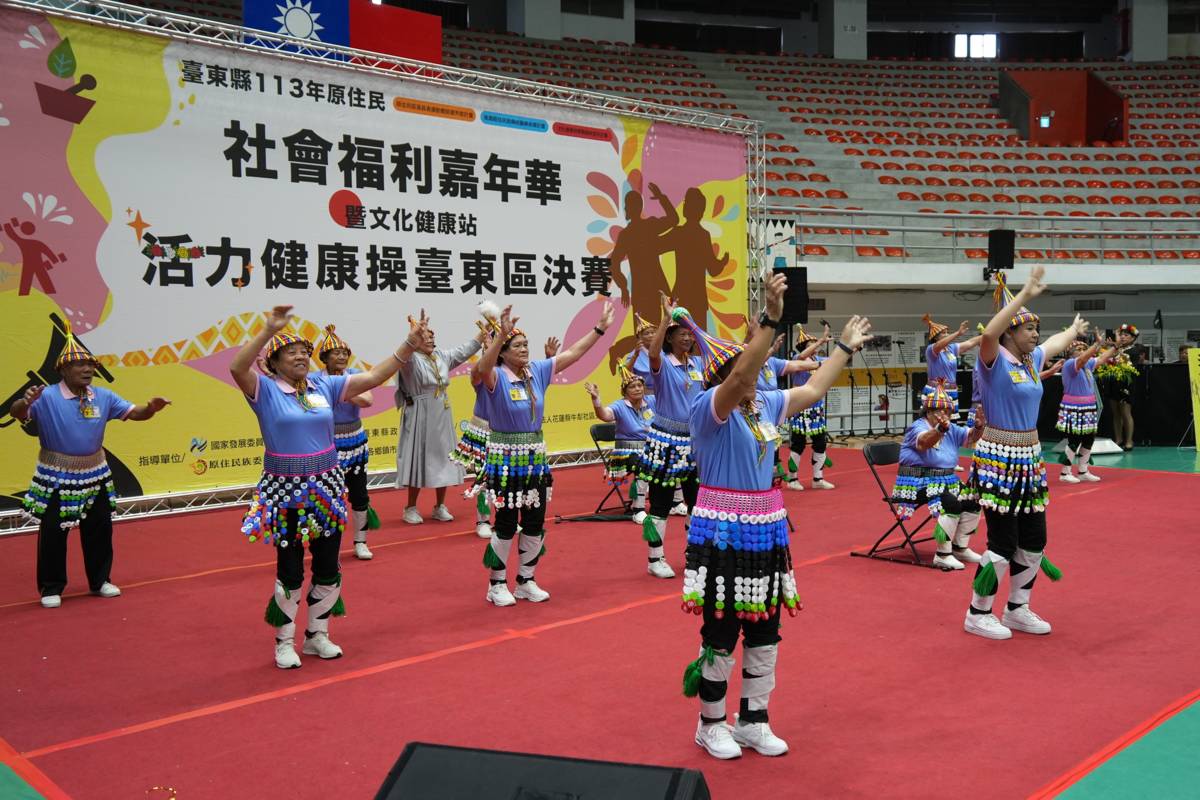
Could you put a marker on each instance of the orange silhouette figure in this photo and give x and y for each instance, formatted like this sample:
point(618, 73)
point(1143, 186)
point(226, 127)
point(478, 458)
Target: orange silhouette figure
point(37, 259)
point(695, 259)
point(641, 242)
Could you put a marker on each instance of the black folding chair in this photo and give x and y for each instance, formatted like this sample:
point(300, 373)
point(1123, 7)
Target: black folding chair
point(604, 433)
point(882, 454)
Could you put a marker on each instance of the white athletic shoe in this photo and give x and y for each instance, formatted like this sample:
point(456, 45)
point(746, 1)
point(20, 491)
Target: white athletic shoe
point(1024, 620)
point(412, 516)
point(319, 644)
point(759, 736)
point(985, 625)
point(529, 590)
point(795, 485)
point(1090, 477)
point(362, 552)
point(947, 561)
point(679, 510)
point(659, 568)
point(968, 556)
point(107, 590)
point(442, 514)
point(1067, 477)
point(52, 601)
point(639, 517)
point(483, 530)
point(823, 484)
point(499, 595)
point(286, 656)
point(958, 467)
point(718, 740)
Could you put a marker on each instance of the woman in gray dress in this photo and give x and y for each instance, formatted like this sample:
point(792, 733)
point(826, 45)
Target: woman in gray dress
point(427, 424)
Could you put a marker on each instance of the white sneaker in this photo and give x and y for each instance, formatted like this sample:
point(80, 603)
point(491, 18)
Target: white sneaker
point(947, 561)
point(319, 644)
point(1024, 620)
point(361, 551)
point(967, 555)
point(499, 595)
point(958, 467)
point(1067, 477)
point(442, 514)
point(107, 590)
point(823, 484)
point(795, 485)
point(639, 517)
point(759, 736)
point(52, 601)
point(717, 740)
point(679, 510)
point(659, 568)
point(285, 655)
point(412, 516)
point(483, 530)
point(985, 625)
point(529, 590)
point(1090, 477)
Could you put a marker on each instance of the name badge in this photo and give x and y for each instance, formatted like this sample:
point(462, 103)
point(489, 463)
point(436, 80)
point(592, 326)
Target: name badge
point(693, 374)
point(317, 401)
point(517, 394)
point(1017, 375)
point(89, 411)
point(769, 374)
point(647, 414)
point(770, 432)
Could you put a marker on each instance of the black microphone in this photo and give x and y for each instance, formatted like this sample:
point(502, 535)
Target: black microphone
point(898, 341)
point(825, 322)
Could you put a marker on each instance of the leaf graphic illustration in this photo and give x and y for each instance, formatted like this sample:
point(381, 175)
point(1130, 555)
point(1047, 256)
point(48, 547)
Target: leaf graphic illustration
point(718, 204)
point(604, 184)
point(732, 213)
point(602, 206)
point(62, 60)
point(635, 180)
point(36, 33)
point(628, 152)
point(65, 219)
point(599, 247)
point(597, 226)
point(29, 201)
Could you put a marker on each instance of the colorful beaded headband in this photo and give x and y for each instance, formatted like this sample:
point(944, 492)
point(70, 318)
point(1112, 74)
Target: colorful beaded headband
point(282, 340)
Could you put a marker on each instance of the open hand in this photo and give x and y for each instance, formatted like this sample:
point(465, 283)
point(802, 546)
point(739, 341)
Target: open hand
point(962, 327)
point(776, 286)
point(508, 322)
point(857, 332)
point(277, 318)
point(606, 315)
point(593, 390)
point(1034, 285)
point(552, 346)
point(33, 393)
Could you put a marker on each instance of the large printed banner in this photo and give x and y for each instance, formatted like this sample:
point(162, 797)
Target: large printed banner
point(159, 196)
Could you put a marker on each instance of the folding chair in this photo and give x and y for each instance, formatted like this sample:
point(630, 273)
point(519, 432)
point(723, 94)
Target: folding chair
point(882, 454)
point(604, 433)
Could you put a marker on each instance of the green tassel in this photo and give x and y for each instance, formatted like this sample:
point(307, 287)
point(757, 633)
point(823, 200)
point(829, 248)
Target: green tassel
point(372, 520)
point(275, 616)
point(481, 503)
point(985, 581)
point(633, 491)
point(691, 673)
point(542, 552)
point(649, 532)
point(792, 465)
point(339, 608)
point(1052, 572)
point(940, 535)
point(828, 462)
point(491, 560)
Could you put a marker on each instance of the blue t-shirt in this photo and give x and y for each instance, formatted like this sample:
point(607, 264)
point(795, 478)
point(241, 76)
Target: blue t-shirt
point(480, 410)
point(943, 365)
point(632, 423)
point(801, 378)
point(345, 412)
point(727, 453)
point(287, 427)
point(1078, 382)
point(508, 403)
point(67, 427)
point(641, 368)
point(677, 385)
point(944, 456)
point(1011, 394)
point(769, 375)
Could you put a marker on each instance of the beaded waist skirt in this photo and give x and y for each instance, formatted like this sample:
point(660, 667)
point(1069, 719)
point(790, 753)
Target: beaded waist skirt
point(809, 422)
point(471, 450)
point(624, 457)
point(79, 481)
point(916, 484)
point(1077, 416)
point(1007, 473)
point(350, 439)
point(666, 457)
point(313, 485)
point(516, 469)
point(737, 558)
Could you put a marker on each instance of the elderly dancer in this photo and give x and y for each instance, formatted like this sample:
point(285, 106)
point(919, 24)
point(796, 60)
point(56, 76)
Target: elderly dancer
point(1078, 413)
point(632, 414)
point(942, 355)
point(809, 423)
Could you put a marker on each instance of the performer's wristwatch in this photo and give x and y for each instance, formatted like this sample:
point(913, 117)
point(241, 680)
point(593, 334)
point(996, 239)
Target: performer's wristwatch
point(765, 321)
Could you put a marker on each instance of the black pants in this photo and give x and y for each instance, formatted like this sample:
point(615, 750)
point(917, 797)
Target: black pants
point(356, 486)
point(722, 634)
point(1007, 532)
point(95, 536)
point(662, 498)
point(820, 443)
point(951, 504)
point(289, 561)
point(1075, 441)
point(531, 520)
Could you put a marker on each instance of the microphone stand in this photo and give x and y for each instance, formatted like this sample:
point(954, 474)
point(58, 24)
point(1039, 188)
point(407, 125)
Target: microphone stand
point(904, 367)
point(871, 396)
point(853, 386)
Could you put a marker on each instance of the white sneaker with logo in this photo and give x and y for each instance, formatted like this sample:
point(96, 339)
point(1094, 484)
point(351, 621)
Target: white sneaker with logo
point(319, 644)
point(529, 590)
point(52, 601)
point(823, 484)
point(107, 590)
point(985, 625)
point(795, 485)
point(638, 517)
point(483, 530)
point(679, 510)
point(660, 569)
point(499, 595)
point(1089, 476)
point(947, 561)
point(1067, 477)
point(442, 514)
point(718, 740)
point(412, 516)
point(1024, 620)
point(285, 655)
point(362, 552)
point(760, 737)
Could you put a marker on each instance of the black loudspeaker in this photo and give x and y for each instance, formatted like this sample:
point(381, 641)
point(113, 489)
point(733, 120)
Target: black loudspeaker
point(1000, 248)
point(438, 772)
point(795, 299)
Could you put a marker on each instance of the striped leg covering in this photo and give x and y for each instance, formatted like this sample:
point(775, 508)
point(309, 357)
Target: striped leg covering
point(1024, 572)
point(637, 494)
point(818, 465)
point(281, 611)
point(758, 681)
point(654, 531)
point(483, 512)
point(531, 550)
point(944, 533)
point(968, 523)
point(495, 558)
point(360, 525)
point(988, 575)
point(324, 601)
point(714, 682)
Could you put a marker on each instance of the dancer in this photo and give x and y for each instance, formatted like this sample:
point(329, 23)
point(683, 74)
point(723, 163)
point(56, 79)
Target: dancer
point(632, 413)
point(1008, 478)
point(1078, 413)
point(300, 498)
point(72, 486)
point(666, 463)
point(942, 355)
point(928, 456)
point(810, 422)
point(352, 447)
point(427, 424)
point(738, 574)
point(518, 477)
point(1116, 386)
point(638, 360)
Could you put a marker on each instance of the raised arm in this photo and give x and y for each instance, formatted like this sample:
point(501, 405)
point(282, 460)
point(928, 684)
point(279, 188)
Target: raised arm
point(800, 365)
point(20, 407)
point(989, 344)
point(241, 368)
point(856, 333)
point(575, 352)
point(1062, 340)
point(1086, 356)
point(602, 412)
point(1108, 355)
point(366, 381)
point(655, 353)
point(930, 438)
point(948, 338)
point(1052, 370)
point(670, 217)
point(484, 371)
point(148, 409)
point(968, 345)
point(742, 380)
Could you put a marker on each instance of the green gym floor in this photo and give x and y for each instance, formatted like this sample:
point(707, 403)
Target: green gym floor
point(1160, 459)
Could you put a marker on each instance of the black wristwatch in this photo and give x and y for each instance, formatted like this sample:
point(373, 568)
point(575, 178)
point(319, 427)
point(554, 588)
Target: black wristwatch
point(766, 322)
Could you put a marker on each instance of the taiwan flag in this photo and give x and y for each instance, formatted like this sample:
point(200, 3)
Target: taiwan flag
point(361, 24)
